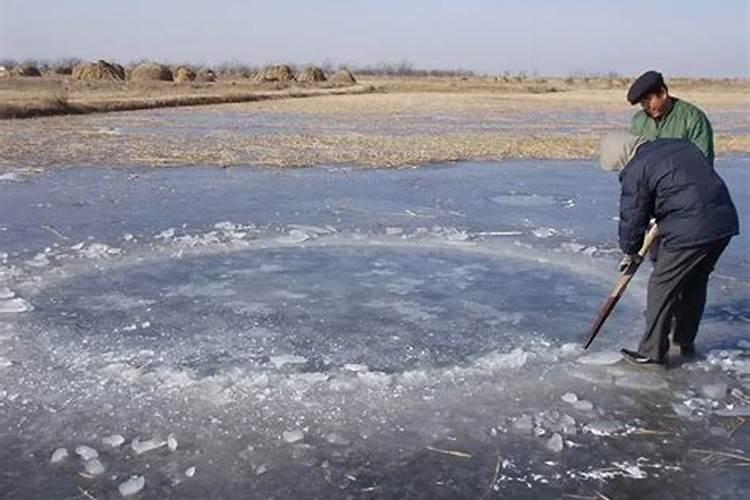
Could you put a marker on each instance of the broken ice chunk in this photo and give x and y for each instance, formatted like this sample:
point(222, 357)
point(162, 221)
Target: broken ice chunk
point(603, 427)
point(569, 397)
point(544, 232)
point(337, 439)
point(524, 424)
point(93, 467)
point(714, 391)
point(165, 235)
point(132, 486)
point(279, 361)
point(294, 236)
point(555, 443)
point(139, 446)
point(572, 247)
point(190, 471)
point(59, 455)
point(293, 436)
point(568, 425)
point(113, 441)
point(172, 442)
point(39, 260)
point(6, 293)
point(16, 305)
point(583, 405)
point(86, 452)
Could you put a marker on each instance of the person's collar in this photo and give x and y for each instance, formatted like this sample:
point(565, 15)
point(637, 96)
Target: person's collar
point(670, 106)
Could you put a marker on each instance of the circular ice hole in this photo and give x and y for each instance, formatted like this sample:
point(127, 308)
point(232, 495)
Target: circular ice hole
point(387, 308)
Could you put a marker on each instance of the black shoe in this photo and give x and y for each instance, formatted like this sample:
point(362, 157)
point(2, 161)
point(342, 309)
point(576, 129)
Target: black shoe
point(639, 359)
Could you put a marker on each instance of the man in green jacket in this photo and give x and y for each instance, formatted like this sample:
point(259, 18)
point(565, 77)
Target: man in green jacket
point(667, 117)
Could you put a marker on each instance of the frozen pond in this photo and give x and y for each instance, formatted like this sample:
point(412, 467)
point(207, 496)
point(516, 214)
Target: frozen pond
point(345, 333)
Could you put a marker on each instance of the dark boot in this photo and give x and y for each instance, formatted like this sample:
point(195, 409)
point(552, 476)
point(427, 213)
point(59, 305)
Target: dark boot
point(642, 360)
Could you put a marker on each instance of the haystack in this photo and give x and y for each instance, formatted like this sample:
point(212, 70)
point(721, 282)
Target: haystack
point(63, 70)
point(206, 75)
point(100, 70)
point(344, 76)
point(151, 71)
point(277, 73)
point(26, 70)
point(184, 74)
point(312, 74)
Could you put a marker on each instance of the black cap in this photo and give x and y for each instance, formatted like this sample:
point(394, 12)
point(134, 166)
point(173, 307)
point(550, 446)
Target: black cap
point(647, 83)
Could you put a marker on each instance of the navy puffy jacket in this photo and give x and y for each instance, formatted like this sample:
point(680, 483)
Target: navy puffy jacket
point(670, 179)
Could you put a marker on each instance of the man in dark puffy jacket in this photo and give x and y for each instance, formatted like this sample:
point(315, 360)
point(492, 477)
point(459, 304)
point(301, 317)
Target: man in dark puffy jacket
point(670, 180)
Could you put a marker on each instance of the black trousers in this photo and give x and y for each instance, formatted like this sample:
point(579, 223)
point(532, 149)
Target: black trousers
point(677, 289)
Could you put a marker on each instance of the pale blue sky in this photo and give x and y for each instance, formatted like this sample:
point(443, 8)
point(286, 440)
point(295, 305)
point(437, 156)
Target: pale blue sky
point(550, 37)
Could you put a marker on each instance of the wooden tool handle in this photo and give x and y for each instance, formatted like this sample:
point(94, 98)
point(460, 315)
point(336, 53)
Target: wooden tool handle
point(620, 286)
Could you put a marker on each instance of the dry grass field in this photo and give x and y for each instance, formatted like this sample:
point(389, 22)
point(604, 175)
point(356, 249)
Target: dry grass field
point(383, 122)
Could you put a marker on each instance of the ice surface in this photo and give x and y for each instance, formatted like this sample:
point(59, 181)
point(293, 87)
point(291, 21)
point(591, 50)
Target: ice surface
point(362, 316)
point(600, 358)
point(734, 411)
point(641, 381)
point(132, 486)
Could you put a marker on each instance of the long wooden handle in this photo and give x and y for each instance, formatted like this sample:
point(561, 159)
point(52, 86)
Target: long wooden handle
point(620, 286)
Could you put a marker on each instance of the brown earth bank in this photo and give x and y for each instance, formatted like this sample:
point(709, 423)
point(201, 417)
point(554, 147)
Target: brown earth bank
point(388, 122)
point(60, 95)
